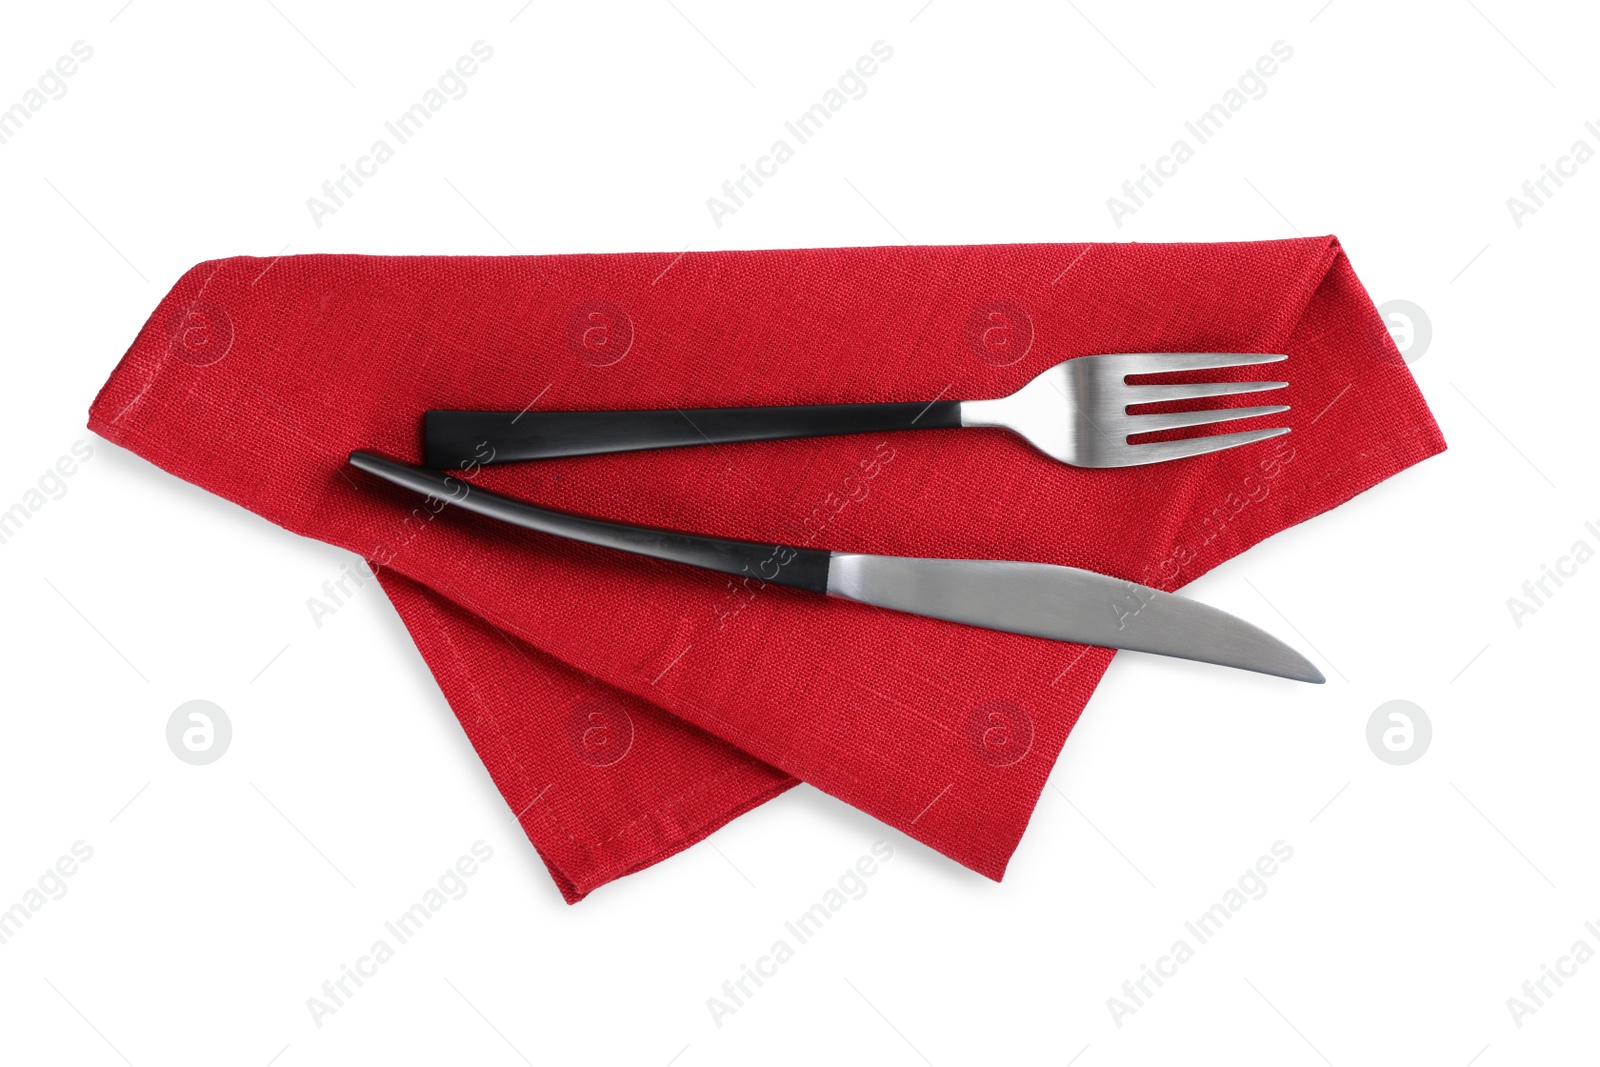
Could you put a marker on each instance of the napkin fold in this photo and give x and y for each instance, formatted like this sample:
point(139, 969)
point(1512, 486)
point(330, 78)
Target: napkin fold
point(628, 707)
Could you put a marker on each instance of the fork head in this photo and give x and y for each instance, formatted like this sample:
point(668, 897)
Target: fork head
point(1077, 411)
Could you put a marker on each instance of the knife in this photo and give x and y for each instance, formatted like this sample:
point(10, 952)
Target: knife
point(1035, 599)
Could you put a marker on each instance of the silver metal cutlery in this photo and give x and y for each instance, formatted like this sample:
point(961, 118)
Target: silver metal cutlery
point(1076, 412)
point(1036, 599)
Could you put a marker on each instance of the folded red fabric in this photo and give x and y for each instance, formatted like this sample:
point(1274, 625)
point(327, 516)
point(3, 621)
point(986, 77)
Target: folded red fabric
point(627, 707)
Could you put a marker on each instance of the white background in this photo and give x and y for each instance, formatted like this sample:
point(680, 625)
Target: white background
point(219, 898)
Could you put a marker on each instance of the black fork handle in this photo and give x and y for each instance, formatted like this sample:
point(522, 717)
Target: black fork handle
point(457, 439)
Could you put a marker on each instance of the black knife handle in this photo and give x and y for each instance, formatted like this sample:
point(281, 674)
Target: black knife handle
point(801, 568)
point(459, 439)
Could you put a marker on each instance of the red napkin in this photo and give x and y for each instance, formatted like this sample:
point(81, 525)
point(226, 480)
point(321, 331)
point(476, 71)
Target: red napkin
point(628, 707)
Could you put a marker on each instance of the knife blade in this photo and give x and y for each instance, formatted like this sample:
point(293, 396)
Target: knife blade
point(1034, 599)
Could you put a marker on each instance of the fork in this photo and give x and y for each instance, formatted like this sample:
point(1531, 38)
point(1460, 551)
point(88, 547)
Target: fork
point(1075, 412)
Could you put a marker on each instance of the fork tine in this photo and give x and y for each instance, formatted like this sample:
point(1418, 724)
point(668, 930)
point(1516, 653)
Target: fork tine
point(1172, 362)
point(1175, 420)
point(1155, 394)
point(1161, 451)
